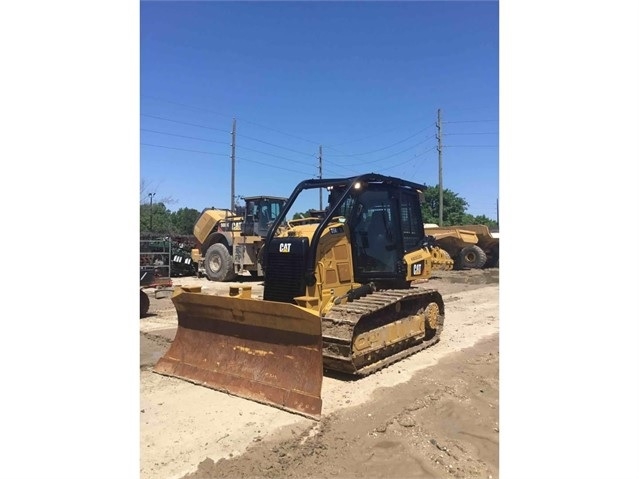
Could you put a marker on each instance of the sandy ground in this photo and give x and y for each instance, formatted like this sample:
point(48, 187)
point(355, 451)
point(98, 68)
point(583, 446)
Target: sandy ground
point(434, 414)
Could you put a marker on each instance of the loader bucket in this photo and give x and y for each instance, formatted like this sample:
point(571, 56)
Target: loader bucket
point(265, 351)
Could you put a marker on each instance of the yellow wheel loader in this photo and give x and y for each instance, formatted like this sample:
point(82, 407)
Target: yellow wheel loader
point(230, 244)
point(337, 295)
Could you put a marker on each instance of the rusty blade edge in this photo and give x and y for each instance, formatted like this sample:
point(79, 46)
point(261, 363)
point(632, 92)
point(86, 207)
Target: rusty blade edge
point(314, 416)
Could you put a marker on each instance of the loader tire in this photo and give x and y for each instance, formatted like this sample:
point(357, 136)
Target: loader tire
point(219, 263)
point(144, 303)
point(472, 257)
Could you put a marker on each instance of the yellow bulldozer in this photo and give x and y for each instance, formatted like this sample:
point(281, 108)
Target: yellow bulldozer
point(338, 295)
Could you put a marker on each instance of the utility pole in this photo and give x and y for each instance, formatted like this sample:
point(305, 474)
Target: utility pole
point(320, 177)
point(151, 195)
point(441, 181)
point(233, 168)
point(498, 211)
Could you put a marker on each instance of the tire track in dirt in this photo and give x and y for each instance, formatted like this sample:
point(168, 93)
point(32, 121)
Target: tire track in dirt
point(182, 424)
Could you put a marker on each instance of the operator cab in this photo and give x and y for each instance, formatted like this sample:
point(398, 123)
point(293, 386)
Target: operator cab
point(261, 211)
point(385, 223)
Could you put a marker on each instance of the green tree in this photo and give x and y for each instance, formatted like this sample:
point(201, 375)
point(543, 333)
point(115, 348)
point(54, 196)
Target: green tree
point(156, 220)
point(467, 219)
point(484, 220)
point(183, 221)
point(454, 211)
point(308, 214)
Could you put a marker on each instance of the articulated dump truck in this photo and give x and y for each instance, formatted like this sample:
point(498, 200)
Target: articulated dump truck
point(469, 246)
point(338, 295)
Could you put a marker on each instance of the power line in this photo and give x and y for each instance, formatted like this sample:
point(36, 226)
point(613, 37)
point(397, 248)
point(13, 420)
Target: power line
point(336, 173)
point(219, 129)
point(371, 136)
point(280, 132)
point(389, 146)
point(389, 156)
point(472, 108)
point(273, 166)
point(184, 136)
point(407, 161)
point(244, 120)
point(220, 154)
point(183, 149)
point(417, 156)
point(223, 143)
point(187, 106)
point(487, 133)
point(340, 166)
point(359, 171)
point(471, 146)
point(470, 121)
point(271, 154)
point(183, 122)
point(277, 146)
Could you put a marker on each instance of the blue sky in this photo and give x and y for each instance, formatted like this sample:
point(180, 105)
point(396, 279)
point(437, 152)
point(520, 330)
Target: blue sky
point(363, 80)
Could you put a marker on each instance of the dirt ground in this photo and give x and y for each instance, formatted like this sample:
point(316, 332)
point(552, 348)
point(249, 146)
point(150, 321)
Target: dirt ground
point(433, 414)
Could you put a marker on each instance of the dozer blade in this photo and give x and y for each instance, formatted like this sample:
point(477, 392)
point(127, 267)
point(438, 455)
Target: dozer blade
point(265, 351)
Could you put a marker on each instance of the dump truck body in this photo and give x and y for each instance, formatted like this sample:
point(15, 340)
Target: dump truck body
point(488, 242)
point(464, 244)
point(337, 295)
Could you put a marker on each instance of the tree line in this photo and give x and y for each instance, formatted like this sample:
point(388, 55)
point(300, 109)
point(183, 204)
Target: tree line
point(453, 212)
point(158, 219)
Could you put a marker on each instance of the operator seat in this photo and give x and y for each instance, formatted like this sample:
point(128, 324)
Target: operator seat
point(377, 227)
point(264, 218)
point(378, 232)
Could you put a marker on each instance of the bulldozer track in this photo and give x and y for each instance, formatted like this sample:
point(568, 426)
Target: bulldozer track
point(344, 323)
